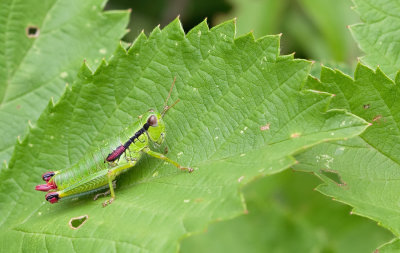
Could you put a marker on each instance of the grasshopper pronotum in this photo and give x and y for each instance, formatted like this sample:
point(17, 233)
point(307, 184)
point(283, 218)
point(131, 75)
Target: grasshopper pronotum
point(94, 170)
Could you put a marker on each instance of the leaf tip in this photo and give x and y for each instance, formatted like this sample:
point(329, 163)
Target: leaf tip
point(397, 78)
point(5, 164)
point(100, 68)
point(85, 72)
point(30, 125)
point(52, 98)
point(120, 49)
point(19, 140)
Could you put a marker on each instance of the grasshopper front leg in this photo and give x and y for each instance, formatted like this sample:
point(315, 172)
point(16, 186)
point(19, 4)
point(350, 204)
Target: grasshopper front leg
point(163, 157)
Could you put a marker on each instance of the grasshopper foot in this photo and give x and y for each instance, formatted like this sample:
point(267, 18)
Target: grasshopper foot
point(101, 194)
point(107, 202)
point(190, 170)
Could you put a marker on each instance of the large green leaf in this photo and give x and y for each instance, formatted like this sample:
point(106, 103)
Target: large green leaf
point(35, 68)
point(241, 116)
point(285, 215)
point(363, 171)
point(378, 35)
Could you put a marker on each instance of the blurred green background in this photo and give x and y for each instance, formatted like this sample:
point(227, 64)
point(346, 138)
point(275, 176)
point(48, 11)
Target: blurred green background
point(313, 29)
point(280, 218)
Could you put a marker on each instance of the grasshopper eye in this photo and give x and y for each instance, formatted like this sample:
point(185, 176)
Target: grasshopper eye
point(152, 121)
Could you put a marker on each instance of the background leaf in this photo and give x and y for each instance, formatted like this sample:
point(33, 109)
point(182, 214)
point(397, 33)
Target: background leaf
point(378, 35)
point(242, 116)
point(35, 68)
point(285, 215)
point(313, 29)
point(366, 167)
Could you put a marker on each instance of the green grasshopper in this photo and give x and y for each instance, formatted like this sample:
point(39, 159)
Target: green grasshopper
point(95, 171)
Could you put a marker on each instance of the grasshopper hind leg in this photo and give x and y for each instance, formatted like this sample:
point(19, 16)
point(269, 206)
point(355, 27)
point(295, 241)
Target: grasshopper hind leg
point(103, 194)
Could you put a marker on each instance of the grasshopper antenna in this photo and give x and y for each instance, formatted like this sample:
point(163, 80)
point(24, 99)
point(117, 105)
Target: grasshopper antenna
point(167, 107)
point(170, 91)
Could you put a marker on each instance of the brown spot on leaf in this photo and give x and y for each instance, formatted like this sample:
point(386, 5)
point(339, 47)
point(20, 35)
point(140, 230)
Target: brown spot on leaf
point(377, 118)
point(198, 200)
point(295, 135)
point(366, 106)
point(18, 107)
point(264, 128)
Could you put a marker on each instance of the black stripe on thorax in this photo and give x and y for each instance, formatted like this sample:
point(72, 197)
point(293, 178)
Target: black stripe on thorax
point(137, 135)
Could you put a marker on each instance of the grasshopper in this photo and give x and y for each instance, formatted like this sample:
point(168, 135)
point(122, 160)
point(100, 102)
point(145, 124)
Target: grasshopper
point(95, 171)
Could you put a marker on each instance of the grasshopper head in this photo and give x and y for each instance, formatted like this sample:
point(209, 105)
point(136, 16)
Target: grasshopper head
point(156, 131)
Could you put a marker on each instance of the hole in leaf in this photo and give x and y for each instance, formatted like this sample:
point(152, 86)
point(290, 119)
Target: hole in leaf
point(334, 176)
point(32, 31)
point(77, 222)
